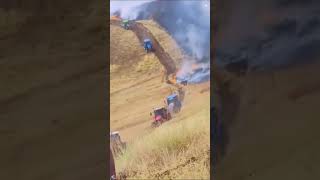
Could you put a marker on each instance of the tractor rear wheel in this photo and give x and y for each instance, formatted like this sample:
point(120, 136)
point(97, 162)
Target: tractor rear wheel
point(155, 124)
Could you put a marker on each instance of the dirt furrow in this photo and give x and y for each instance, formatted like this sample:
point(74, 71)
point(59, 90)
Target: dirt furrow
point(143, 33)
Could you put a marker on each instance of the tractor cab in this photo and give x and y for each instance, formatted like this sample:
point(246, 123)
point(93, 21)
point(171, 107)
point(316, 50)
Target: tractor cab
point(125, 24)
point(173, 103)
point(173, 98)
point(160, 113)
point(147, 44)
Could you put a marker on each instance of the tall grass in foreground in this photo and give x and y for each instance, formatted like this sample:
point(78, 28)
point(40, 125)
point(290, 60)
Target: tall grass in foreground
point(178, 149)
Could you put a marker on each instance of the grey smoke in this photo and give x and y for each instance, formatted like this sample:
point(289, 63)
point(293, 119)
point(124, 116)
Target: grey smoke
point(187, 21)
point(267, 35)
point(128, 9)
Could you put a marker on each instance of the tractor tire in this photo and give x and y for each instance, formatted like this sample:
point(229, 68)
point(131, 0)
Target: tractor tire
point(179, 108)
point(171, 108)
point(124, 145)
point(154, 125)
point(176, 109)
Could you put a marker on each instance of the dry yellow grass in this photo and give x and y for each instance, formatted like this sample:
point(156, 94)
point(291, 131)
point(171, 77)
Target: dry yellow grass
point(178, 150)
point(166, 41)
point(113, 68)
point(121, 41)
point(149, 63)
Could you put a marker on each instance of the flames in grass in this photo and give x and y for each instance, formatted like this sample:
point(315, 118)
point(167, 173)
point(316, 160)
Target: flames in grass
point(193, 73)
point(115, 17)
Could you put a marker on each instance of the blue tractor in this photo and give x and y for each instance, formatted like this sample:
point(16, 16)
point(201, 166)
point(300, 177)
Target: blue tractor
point(174, 104)
point(183, 81)
point(147, 44)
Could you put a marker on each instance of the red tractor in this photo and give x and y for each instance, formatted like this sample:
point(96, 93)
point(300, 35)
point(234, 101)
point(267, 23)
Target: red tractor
point(160, 115)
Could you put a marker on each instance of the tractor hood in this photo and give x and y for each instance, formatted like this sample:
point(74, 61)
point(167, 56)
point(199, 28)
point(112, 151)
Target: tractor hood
point(171, 97)
point(158, 118)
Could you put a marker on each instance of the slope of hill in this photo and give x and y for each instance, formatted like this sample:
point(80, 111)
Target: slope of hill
point(166, 41)
point(172, 150)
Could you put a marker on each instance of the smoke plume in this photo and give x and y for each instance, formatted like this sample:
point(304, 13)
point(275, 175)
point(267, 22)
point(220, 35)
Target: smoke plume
point(269, 35)
point(127, 9)
point(188, 22)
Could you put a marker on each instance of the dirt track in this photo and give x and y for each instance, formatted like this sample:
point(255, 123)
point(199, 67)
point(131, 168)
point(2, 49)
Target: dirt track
point(138, 98)
point(143, 33)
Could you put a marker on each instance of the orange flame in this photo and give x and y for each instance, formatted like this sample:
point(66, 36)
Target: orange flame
point(115, 18)
point(195, 66)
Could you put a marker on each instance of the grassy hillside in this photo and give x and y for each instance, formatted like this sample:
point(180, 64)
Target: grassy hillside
point(177, 149)
point(125, 48)
point(166, 41)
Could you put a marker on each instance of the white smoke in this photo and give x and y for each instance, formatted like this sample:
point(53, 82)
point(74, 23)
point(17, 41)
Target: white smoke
point(127, 8)
point(194, 35)
point(194, 30)
point(194, 75)
point(185, 70)
point(195, 40)
point(188, 21)
point(200, 77)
